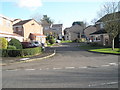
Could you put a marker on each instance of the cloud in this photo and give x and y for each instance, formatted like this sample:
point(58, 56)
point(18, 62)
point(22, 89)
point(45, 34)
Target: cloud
point(30, 4)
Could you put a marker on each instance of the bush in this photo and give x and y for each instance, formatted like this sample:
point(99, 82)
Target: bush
point(51, 41)
point(31, 51)
point(11, 47)
point(14, 53)
point(3, 43)
point(3, 53)
point(20, 52)
point(16, 43)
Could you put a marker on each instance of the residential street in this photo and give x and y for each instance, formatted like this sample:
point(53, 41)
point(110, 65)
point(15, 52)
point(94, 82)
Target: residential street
point(71, 67)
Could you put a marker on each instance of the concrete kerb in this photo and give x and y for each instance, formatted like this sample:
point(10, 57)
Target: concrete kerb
point(29, 60)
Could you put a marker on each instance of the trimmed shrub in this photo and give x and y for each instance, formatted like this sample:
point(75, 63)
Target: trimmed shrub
point(14, 53)
point(11, 47)
point(3, 43)
point(20, 52)
point(3, 53)
point(16, 43)
point(31, 51)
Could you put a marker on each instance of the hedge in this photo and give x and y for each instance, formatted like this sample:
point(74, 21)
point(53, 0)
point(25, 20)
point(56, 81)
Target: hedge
point(20, 52)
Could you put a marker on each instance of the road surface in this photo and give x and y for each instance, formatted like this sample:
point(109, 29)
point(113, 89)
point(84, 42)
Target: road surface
point(71, 67)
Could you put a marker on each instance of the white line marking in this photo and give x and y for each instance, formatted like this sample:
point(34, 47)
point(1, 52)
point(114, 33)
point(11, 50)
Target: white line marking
point(115, 64)
point(29, 69)
point(12, 70)
point(83, 67)
point(69, 67)
point(57, 68)
point(105, 65)
point(108, 83)
point(111, 82)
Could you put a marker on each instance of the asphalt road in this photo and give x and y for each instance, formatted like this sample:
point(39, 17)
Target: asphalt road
point(71, 67)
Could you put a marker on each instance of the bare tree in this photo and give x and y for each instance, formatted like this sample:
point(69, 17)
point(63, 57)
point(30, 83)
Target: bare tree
point(111, 20)
point(93, 21)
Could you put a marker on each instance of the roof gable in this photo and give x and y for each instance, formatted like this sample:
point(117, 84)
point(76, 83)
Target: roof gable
point(102, 31)
point(110, 16)
point(22, 22)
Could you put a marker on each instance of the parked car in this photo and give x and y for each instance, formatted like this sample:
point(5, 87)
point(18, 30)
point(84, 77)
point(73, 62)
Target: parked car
point(36, 43)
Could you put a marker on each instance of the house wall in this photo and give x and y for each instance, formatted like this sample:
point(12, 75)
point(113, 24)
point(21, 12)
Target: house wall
point(6, 29)
point(55, 29)
point(74, 30)
point(5, 25)
point(19, 30)
point(32, 27)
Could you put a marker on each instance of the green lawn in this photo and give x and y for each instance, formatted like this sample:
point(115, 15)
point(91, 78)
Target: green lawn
point(107, 50)
point(100, 49)
point(68, 41)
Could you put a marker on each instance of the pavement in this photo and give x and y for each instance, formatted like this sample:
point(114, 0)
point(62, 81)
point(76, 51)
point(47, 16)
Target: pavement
point(49, 52)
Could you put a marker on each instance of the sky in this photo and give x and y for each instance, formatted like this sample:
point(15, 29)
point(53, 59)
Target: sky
point(60, 11)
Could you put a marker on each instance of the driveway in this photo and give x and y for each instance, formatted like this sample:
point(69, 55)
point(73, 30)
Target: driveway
point(70, 67)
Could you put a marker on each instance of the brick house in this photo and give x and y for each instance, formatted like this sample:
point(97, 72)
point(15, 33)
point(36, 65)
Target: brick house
point(6, 29)
point(88, 30)
point(74, 32)
point(30, 30)
point(104, 38)
point(57, 29)
point(54, 29)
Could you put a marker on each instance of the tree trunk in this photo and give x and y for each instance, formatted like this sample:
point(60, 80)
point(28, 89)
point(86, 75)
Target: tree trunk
point(113, 44)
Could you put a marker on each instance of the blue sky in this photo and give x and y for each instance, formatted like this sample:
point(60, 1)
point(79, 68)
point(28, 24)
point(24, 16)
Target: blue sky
point(60, 12)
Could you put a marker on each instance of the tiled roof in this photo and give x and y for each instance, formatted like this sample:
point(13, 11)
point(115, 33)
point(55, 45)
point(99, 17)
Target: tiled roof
point(57, 25)
point(108, 16)
point(22, 22)
point(102, 31)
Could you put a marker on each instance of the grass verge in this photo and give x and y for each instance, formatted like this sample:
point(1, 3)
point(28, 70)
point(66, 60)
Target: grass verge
point(107, 50)
point(100, 49)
